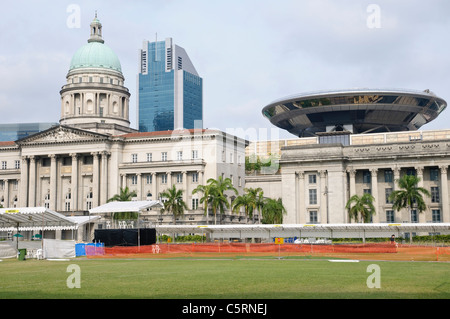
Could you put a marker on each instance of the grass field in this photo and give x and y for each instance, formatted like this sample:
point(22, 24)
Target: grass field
point(213, 278)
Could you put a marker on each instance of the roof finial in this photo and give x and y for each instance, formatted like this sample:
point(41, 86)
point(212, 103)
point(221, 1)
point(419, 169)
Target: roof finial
point(96, 14)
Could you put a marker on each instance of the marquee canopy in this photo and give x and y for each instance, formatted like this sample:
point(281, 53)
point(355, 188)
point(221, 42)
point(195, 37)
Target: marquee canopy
point(121, 207)
point(359, 230)
point(34, 218)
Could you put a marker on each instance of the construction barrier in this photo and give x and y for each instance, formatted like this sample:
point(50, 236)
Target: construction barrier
point(385, 251)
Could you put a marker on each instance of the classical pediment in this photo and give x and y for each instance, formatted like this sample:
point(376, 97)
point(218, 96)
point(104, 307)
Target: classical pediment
point(62, 134)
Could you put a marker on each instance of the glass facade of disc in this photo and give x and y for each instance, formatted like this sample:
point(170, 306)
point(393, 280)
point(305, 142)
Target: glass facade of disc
point(159, 91)
point(17, 131)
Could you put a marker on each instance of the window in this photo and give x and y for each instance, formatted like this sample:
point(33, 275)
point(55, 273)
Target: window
point(179, 178)
point(164, 156)
point(411, 172)
point(435, 195)
point(149, 179)
point(367, 177)
point(313, 217)
point(388, 192)
point(4, 165)
point(164, 179)
point(312, 179)
point(194, 203)
point(239, 181)
point(194, 177)
point(231, 157)
point(149, 157)
point(194, 154)
point(17, 164)
point(313, 196)
point(414, 216)
point(434, 174)
point(134, 158)
point(390, 216)
point(15, 184)
point(367, 191)
point(134, 180)
point(179, 155)
point(436, 215)
point(388, 176)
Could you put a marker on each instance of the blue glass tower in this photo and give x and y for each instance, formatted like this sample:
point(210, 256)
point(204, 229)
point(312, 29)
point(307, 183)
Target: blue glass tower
point(170, 91)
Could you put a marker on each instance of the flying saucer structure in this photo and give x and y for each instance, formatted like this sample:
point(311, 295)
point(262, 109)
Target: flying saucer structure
point(356, 111)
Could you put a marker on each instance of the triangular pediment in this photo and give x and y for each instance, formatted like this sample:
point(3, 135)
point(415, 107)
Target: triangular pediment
point(62, 134)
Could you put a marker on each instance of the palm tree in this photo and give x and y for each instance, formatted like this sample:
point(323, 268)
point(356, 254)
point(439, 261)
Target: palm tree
point(174, 202)
point(243, 201)
point(124, 196)
point(217, 197)
point(409, 195)
point(257, 200)
point(273, 211)
point(204, 200)
point(361, 206)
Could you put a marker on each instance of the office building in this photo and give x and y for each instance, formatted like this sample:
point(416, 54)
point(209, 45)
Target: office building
point(170, 91)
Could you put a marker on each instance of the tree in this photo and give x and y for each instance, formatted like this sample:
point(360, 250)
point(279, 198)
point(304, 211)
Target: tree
point(174, 202)
point(217, 197)
point(204, 200)
point(243, 201)
point(257, 200)
point(124, 196)
point(361, 206)
point(273, 211)
point(409, 195)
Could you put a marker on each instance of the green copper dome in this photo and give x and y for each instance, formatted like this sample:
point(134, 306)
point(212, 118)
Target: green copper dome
point(95, 55)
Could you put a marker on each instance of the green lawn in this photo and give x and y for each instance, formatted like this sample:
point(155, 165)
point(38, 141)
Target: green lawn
point(237, 278)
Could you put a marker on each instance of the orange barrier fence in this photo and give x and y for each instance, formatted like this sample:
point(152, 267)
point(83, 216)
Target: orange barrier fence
point(243, 248)
point(384, 251)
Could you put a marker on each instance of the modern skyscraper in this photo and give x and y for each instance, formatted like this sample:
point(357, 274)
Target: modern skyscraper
point(170, 91)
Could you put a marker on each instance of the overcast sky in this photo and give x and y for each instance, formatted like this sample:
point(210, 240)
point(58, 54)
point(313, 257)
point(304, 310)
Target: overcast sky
point(248, 52)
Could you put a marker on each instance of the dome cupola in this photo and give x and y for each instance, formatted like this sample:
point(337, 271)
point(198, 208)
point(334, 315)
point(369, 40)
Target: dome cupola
point(94, 96)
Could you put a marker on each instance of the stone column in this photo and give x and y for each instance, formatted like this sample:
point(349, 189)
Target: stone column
point(323, 197)
point(419, 174)
point(53, 182)
point(124, 180)
point(155, 195)
point(169, 179)
point(374, 186)
point(445, 194)
point(95, 180)
point(104, 179)
point(32, 185)
point(139, 186)
point(6, 192)
point(301, 214)
point(74, 181)
point(185, 195)
point(23, 194)
point(396, 177)
point(352, 174)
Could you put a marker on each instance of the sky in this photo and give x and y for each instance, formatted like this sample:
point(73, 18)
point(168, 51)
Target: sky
point(248, 52)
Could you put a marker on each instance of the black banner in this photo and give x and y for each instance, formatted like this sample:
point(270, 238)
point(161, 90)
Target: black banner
point(125, 237)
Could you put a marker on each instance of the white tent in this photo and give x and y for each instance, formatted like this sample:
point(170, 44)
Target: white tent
point(131, 206)
point(34, 219)
point(306, 230)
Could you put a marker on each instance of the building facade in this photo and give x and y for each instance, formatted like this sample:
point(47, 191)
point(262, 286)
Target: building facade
point(315, 180)
point(170, 91)
point(93, 153)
